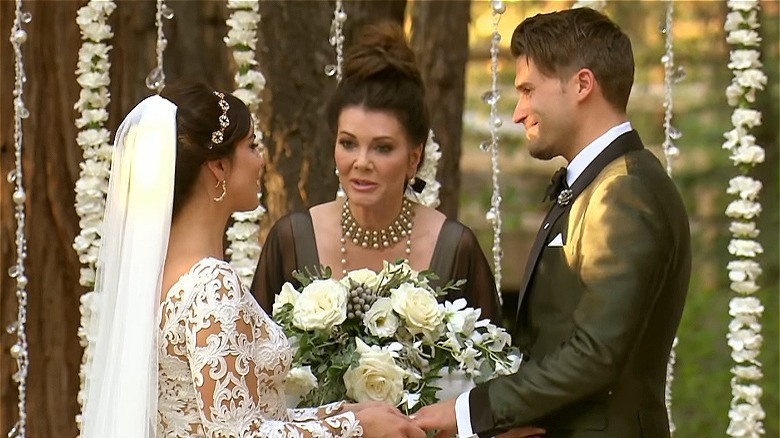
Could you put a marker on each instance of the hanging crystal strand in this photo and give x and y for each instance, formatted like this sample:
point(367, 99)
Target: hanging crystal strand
point(336, 39)
point(156, 78)
point(671, 75)
point(17, 271)
point(491, 98)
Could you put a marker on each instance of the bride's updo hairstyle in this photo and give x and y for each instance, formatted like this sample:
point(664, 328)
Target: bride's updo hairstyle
point(197, 118)
point(380, 73)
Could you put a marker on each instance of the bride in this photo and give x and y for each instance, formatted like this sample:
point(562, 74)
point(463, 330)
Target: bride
point(182, 349)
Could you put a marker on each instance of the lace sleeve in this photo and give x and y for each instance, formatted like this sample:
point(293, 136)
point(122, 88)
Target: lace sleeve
point(225, 343)
point(324, 411)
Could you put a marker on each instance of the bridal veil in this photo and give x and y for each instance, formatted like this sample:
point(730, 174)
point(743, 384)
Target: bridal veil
point(121, 386)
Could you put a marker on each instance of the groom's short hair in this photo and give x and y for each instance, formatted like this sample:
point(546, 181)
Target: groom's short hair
point(562, 42)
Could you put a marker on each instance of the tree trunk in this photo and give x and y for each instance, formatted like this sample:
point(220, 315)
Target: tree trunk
point(293, 53)
point(440, 38)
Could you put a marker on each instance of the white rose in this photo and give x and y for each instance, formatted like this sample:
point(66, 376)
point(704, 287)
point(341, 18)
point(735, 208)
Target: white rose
point(288, 295)
point(380, 320)
point(376, 377)
point(321, 305)
point(366, 277)
point(300, 381)
point(419, 308)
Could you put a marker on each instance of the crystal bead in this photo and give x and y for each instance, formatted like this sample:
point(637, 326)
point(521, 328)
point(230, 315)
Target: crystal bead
point(11, 177)
point(26, 17)
point(497, 122)
point(672, 151)
point(19, 36)
point(21, 281)
point(14, 432)
point(491, 216)
point(12, 327)
point(666, 59)
point(162, 43)
point(679, 74)
point(19, 197)
point(498, 6)
point(341, 16)
point(13, 271)
point(167, 12)
point(24, 113)
point(662, 27)
point(486, 145)
point(674, 133)
point(490, 97)
point(330, 70)
point(156, 79)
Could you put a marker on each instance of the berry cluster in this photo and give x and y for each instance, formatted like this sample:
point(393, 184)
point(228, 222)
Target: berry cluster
point(360, 300)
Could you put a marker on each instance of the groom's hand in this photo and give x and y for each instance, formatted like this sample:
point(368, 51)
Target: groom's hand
point(439, 417)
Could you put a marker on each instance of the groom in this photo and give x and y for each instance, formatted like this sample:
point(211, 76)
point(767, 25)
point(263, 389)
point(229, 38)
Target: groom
point(607, 277)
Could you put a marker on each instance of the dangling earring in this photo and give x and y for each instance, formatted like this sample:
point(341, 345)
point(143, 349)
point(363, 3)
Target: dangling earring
point(412, 180)
point(340, 193)
point(224, 191)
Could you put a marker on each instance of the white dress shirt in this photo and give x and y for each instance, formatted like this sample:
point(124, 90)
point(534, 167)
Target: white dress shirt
point(575, 168)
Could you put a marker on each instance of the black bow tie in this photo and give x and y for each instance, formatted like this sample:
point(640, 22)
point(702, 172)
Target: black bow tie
point(557, 184)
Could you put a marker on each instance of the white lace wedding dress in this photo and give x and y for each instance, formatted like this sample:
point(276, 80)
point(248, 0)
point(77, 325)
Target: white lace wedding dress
point(222, 364)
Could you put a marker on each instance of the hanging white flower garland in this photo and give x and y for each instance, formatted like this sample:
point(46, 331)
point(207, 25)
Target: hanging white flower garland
point(746, 414)
point(244, 234)
point(92, 70)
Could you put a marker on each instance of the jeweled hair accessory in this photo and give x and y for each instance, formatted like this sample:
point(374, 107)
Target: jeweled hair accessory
point(219, 135)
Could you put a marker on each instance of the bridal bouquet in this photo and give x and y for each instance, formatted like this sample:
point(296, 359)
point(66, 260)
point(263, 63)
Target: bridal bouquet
point(384, 336)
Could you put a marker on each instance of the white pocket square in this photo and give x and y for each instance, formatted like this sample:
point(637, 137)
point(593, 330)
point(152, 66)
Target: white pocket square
point(557, 240)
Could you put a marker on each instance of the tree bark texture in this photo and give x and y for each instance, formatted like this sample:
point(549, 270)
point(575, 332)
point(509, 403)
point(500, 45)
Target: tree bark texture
point(440, 37)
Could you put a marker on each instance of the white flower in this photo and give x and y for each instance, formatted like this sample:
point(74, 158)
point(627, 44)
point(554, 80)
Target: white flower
point(469, 359)
point(733, 93)
point(745, 37)
point(288, 295)
point(746, 421)
point(93, 98)
point(93, 137)
point(96, 31)
point(410, 400)
point(748, 155)
point(742, 208)
point(300, 381)
point(92, 116)
point(498, 338)
point(750, 372)
point(745, 306)
point(419, 308)
point(93, 80)
point(90, 50)
point(250, 79)
point(242, 37)
point(380, 320)
point(744, 229)
point(244, 57)
point(746, 117)
point(366, 277)
point(744, 186)
point(321, 305)
point(460, 319)
point(733, 138)
point(744, 287)
point(741, 270)
point(244, 4)
point(751, 78)
point(243, 20)
point(376, 377)
point(400, 270)
point(742, 59)
point(745, 248)
point(742, 5)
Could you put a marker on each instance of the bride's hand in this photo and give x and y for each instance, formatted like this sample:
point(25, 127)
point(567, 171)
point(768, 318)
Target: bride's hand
point(382, 420)
point(523, 432)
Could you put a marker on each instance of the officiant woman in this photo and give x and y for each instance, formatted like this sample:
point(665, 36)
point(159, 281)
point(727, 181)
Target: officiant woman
point(380, 122)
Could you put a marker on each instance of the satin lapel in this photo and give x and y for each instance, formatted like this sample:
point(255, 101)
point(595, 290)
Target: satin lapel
point(627, 142)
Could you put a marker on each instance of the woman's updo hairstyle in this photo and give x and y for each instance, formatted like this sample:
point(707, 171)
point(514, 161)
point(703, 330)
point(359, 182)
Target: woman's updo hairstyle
point(380, 73)
point(197, 117)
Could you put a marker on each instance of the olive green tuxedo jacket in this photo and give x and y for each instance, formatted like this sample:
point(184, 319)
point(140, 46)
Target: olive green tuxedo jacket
point(599, 313)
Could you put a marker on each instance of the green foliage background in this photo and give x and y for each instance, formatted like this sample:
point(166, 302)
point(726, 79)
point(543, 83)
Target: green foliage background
point(701, 390)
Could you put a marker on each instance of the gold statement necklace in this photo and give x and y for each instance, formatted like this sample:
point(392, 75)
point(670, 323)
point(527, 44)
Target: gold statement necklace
point(400, 228)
